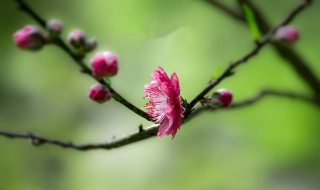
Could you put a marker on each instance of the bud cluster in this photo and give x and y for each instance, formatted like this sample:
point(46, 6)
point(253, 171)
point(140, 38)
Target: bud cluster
point(104, 64)
point(32, 38)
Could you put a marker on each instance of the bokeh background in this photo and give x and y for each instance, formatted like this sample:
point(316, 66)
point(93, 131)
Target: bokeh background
point(271, 145)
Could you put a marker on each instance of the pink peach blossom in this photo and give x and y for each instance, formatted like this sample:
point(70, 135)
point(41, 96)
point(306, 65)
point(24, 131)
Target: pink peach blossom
point(164, 104)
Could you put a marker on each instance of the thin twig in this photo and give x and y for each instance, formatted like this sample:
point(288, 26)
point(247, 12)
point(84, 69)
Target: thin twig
point(230, 70)
point(148, 132)
point(295, 60)
point(37, 140)
point(256, 98)
point(84, 68)
point(232, 12)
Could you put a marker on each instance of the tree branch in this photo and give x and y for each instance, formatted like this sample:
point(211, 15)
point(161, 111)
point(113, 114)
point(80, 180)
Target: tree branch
point(79, 60)
point(230, 70)
point(151, 131)
point(231, 11)
point(254, 99)
point(299, 65)
point(148, 132)
point(37, 140)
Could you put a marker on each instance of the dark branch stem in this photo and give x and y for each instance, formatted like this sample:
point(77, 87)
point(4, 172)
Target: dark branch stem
point(299, 65)
point(232, 12)
point(148, 132)
point(230, 70)
point(254, 99)
point(112, 143)
point(84, 68)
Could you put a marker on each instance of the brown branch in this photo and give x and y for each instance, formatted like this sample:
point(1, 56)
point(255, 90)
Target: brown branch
point(299, 65)
point(230, 70)
point(37, 140)
point(231, 11)
point(256, 98)
point(79, 60)
point(148, 132)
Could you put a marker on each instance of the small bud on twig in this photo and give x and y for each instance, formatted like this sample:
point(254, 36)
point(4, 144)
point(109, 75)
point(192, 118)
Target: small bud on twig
point(99, 93)
point(77, 38)
point(287, 33)
point(221, 98)
point(30, 38)
point(104, 64)
point(54, 28)
point(91, 44)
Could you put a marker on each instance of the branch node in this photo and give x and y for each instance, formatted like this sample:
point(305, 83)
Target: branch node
point(140, 128)
point(34, 140)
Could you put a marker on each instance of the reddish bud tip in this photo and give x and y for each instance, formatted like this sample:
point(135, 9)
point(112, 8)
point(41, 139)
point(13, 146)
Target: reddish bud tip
point(104, 64)
point(77, 38)
point(287, 33)
point(29, 37)
point(99, 93)
point(54, 28)
point(221, 98)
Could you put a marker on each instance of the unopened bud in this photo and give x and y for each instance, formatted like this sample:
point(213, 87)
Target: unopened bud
point(104, 64)
point(99, 93)
point(77, 38)
point(29, 37)
point(54, 28)
point(91, 44)
point(287, 33)
point(221, 98)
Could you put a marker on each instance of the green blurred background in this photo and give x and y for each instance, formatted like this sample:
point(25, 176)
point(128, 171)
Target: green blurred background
point(271, 145)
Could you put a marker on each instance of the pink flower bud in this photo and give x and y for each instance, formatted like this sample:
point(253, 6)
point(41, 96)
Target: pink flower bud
point(104, 64)
point(54, 28)
point(287, 33)
point(29, 37)
point(77, 38)
point(221, 98)
point(99, 93)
